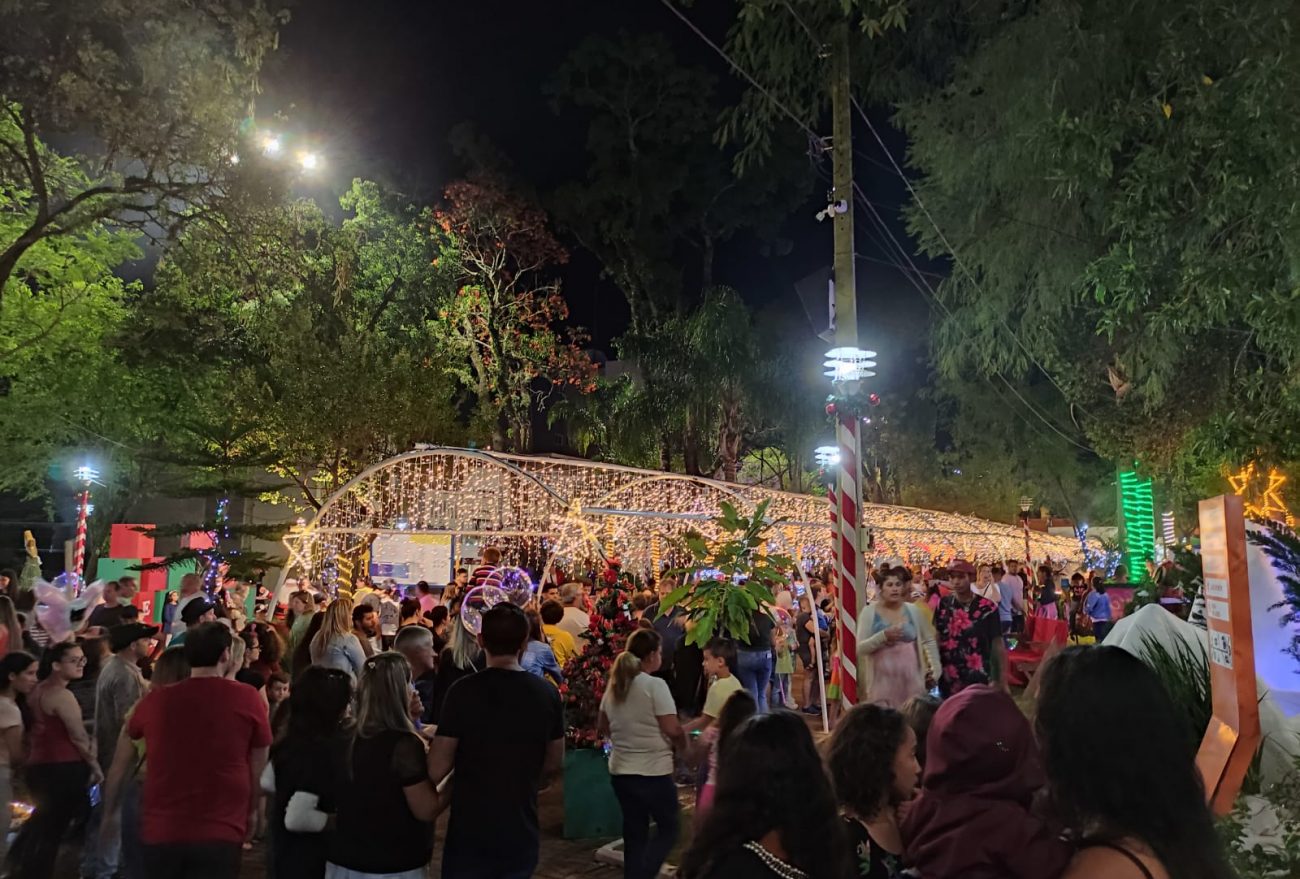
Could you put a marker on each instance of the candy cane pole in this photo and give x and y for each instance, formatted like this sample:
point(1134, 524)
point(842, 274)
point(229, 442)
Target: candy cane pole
point(849, 496)
point(79, 548)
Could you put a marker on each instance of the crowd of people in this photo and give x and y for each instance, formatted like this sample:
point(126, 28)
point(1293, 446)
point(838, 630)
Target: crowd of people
point(338, 731)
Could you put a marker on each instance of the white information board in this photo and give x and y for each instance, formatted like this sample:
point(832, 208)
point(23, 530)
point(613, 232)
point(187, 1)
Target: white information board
point(410, 558)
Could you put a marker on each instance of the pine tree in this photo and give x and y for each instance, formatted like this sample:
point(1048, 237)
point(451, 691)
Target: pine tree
point(220, 459)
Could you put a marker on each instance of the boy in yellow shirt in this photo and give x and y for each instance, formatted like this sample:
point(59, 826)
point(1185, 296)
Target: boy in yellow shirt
point(564, 645)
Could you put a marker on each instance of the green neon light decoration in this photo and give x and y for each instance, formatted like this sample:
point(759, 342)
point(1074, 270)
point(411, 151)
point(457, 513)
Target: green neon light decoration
point(1138, 507)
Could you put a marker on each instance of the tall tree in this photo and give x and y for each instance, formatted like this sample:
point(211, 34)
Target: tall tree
point(1117, 183)
point(323, 327)
point(660, 197)
point(500, 320)
point(152, 92)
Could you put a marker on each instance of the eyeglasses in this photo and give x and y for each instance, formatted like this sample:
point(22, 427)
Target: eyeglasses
point(80, 660)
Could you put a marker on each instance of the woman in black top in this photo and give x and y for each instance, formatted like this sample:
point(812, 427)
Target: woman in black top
point(306, 759)
point(386, 803)
point(773, 814)
point(872, 761)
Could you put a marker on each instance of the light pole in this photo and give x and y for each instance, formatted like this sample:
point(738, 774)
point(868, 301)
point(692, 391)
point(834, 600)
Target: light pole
point(87, 476)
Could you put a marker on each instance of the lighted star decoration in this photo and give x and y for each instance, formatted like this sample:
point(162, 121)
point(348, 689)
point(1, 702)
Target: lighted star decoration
point(1261, 501)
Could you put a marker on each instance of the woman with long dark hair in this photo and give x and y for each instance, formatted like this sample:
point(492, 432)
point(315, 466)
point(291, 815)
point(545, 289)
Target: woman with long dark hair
point(639, 716)
point(61, 764)
point(17, 679)
point(774, 813)
point(306, 759)
point(873, 767)
point(1045, 594)
point(1144, 816)
point(301, 659)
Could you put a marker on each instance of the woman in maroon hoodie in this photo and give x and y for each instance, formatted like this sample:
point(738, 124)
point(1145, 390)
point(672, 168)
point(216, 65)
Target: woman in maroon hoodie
point(974, 817)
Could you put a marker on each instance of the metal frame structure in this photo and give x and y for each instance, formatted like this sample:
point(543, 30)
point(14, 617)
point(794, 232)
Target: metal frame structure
point(581, 509)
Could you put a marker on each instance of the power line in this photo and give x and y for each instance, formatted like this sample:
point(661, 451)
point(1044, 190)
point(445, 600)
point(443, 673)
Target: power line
point(915, 273)
point(920, 203)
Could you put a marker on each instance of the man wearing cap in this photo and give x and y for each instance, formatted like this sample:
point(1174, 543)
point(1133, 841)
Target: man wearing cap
point(119, 687)
point(970, 638)
point(196, 613)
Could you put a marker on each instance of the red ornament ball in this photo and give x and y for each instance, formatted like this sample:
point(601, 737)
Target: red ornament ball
point(830, 408)
point(873, 399)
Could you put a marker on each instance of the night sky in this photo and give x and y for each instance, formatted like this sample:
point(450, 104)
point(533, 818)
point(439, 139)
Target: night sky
point(380, 85)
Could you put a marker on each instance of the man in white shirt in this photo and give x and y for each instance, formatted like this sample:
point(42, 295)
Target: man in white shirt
point(1012, 598)
point(575, 620)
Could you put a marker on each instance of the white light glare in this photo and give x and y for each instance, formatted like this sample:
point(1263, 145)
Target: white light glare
point(309, 161)
point(86, 473)
point(827, 456)
point(849, 364)
point(271, 144)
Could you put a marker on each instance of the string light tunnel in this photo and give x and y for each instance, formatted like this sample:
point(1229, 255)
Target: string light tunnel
point(1261, 494)
point(544, 511)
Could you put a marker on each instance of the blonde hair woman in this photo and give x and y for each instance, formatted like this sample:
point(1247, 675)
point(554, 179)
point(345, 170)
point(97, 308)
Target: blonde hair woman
point(386, 804)
point(639, 716)
point(334, 645)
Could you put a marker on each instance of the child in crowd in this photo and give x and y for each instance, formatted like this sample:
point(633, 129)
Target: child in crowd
point(739, 706)
point(919, 712)
point(784, 668)
point(719, 663)
point(973, 817)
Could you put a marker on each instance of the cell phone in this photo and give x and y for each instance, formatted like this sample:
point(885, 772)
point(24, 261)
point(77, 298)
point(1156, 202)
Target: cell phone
point(95, 794)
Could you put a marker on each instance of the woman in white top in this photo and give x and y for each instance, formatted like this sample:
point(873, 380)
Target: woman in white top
point(334, 645)
point(896, 647)
point(17, 678)
point(638, 715)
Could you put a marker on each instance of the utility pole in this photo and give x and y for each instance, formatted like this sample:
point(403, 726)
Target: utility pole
point(849, 495)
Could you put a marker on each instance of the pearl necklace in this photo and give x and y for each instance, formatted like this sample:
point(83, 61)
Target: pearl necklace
point(775, 864)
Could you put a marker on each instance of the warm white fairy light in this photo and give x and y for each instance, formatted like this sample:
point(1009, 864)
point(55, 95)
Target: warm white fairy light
point(541, 509)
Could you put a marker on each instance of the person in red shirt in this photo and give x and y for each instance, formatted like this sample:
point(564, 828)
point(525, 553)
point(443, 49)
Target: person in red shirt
point(483, 574)
point(206, 740)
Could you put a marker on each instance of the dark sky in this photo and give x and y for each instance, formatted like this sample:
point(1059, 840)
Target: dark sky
point(380, 85)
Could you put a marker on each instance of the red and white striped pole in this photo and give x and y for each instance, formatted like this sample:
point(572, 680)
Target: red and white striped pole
point(79, 547)
point(850, 555)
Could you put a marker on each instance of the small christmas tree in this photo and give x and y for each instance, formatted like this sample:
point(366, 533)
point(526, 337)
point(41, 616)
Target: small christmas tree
point(586, 675)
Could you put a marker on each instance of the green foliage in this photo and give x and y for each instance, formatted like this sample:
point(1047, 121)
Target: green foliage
point(1283, 547)
point(499, 319)
point(1185, 673)
point(710, 596)
point(154, 89)
point(306, 318)
point(1281, 857)
point(1097, 168)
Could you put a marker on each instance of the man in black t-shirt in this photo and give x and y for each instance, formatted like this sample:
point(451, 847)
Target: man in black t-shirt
point(502, 732)
point(117, 608)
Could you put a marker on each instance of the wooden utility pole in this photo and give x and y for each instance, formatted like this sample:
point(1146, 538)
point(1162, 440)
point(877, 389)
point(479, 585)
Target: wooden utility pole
point(851, 584)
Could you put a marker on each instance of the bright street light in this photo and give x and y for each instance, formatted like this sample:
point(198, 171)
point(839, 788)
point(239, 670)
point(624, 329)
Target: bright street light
point(271, 144)
point(309, 161)
point(86, 473)
point(849, 364)
point(827, 456)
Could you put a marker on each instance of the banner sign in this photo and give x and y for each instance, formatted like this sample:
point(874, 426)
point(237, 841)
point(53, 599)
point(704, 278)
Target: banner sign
point(1233, 735)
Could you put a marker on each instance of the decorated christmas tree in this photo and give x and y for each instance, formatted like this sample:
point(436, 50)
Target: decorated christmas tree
point(586, 674)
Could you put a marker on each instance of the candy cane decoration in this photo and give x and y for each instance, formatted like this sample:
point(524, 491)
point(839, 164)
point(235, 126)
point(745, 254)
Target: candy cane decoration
point(79, 548)
point(850, 503)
